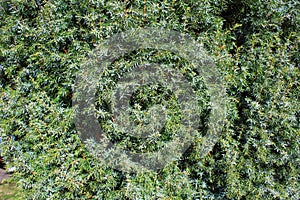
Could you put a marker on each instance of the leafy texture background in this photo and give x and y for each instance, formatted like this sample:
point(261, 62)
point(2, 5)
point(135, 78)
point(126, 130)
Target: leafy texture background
point(255, 45)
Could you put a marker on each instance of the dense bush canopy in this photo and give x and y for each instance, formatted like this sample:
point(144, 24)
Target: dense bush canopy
point(254, 44)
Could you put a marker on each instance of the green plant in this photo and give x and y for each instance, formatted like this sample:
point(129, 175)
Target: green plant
point(255, 46)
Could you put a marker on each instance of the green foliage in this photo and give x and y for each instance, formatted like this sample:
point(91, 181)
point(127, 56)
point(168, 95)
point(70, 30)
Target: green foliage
point(255, 45)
